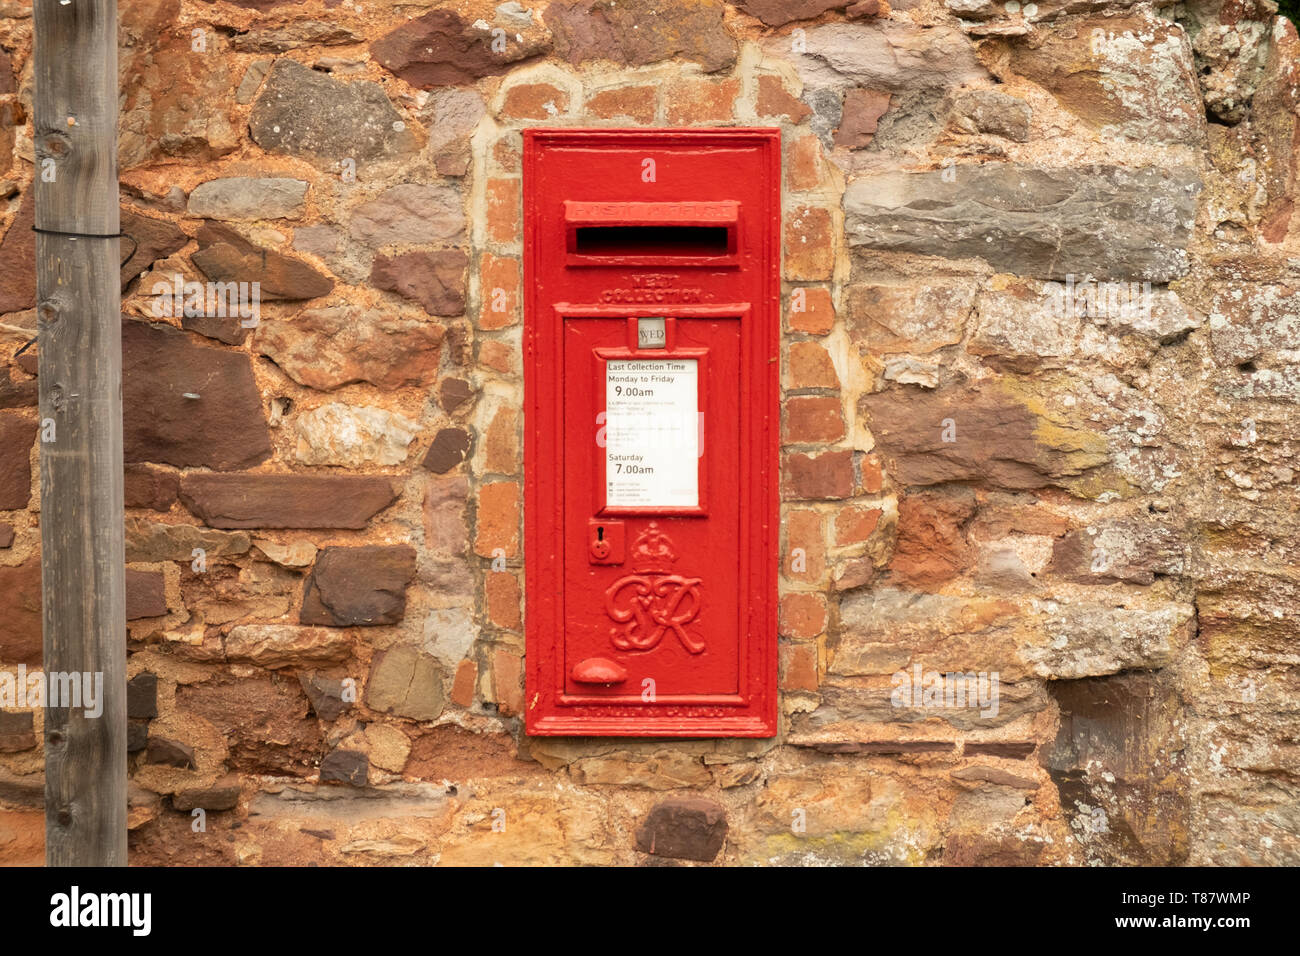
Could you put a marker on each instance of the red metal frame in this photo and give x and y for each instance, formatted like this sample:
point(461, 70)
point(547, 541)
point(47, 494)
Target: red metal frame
point(563, 290)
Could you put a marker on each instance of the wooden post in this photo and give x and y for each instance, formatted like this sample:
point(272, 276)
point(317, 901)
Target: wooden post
point(78, 307)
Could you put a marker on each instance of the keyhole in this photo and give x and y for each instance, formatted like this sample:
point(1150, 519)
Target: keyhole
point(600, 533)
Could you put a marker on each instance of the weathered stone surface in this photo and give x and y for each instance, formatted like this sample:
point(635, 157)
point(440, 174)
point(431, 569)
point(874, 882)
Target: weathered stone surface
point(147, 487)
point(1275, 121)
point(991, 111)
point(998, 438)
point(449, 634)
point(858, 120)
point(6, 534)
point(175, 102)
point(1126, 76)
point(335, 346)
point(1133, 550)
point(337, 434)
point(450, 447)
point(220, 796)
point(282, 645)
point(326, 695)
point(142, 696)
point(286, 501)
point(642, 31)
point(187, 404)
point(358, 586)
point(435, 280)
point(295, 554)
point(169, 753)
point(886, 629)
point(21, 394)
point(145, 594)
point(20, 613)
point(302, 33)
point(406, 682)
point(16, 734)
point(981, 773)
point(1249, 319)
point(442, 49)
point(145, 241)
point(18, 259)
point(226, 256)
point(147, 541)
point(451, 116)
point(17, 435)
point(1103, 221)
point(137, 735)
point(662, 770)
point(264, 721)
point(684, 828)
point(345, 766)
point(305, 113)
point(886, 55)
point(931, 546)
point(777, 13)
point(228, 329)
point(410, 212)
point(243, 198)
point(1119, 761)
point(388, 748)
point(916, 318)
point(1092, 641)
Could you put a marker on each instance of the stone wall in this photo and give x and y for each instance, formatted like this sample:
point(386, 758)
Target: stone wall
point(1041, 367)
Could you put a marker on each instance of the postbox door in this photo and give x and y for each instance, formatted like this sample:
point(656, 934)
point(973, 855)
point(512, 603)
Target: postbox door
point(651, 331)
point(652, 511)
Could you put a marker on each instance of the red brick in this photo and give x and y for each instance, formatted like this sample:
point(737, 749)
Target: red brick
point(462, 688)
point(498, 291)
point(799, 667)
point(803, 615)
point(810, 310)
point(873, 478)
point(805, 166)
point(503, 222)
point(531, 101)
point(635, 102)
point(701, 101)
point(507, 153)
point(501, 442)
point(808, 365)
point(498, 519)
point(854, 525)
point(502, 592)
point(810, 476)
point(507, 682)
point(803, 530)
point(808, 250)
point(812, 418)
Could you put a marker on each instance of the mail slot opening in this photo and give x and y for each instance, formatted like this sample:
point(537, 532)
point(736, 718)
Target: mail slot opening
point(685, 241)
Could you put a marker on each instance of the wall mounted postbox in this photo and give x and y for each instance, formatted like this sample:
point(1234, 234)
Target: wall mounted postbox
point(651, 261)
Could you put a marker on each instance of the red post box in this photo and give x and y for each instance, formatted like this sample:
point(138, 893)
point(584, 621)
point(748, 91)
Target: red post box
point(651, 331)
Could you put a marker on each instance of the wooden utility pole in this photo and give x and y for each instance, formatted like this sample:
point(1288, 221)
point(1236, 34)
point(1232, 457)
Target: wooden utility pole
point(78, 308)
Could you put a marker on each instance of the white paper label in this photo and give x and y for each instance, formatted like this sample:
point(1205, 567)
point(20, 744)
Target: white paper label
point(652, 433)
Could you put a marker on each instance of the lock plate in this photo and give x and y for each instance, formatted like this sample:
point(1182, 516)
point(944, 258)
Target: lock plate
point(605, 541)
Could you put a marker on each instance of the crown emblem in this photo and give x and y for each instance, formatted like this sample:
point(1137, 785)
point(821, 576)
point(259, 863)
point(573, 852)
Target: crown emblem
point(652, 550)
